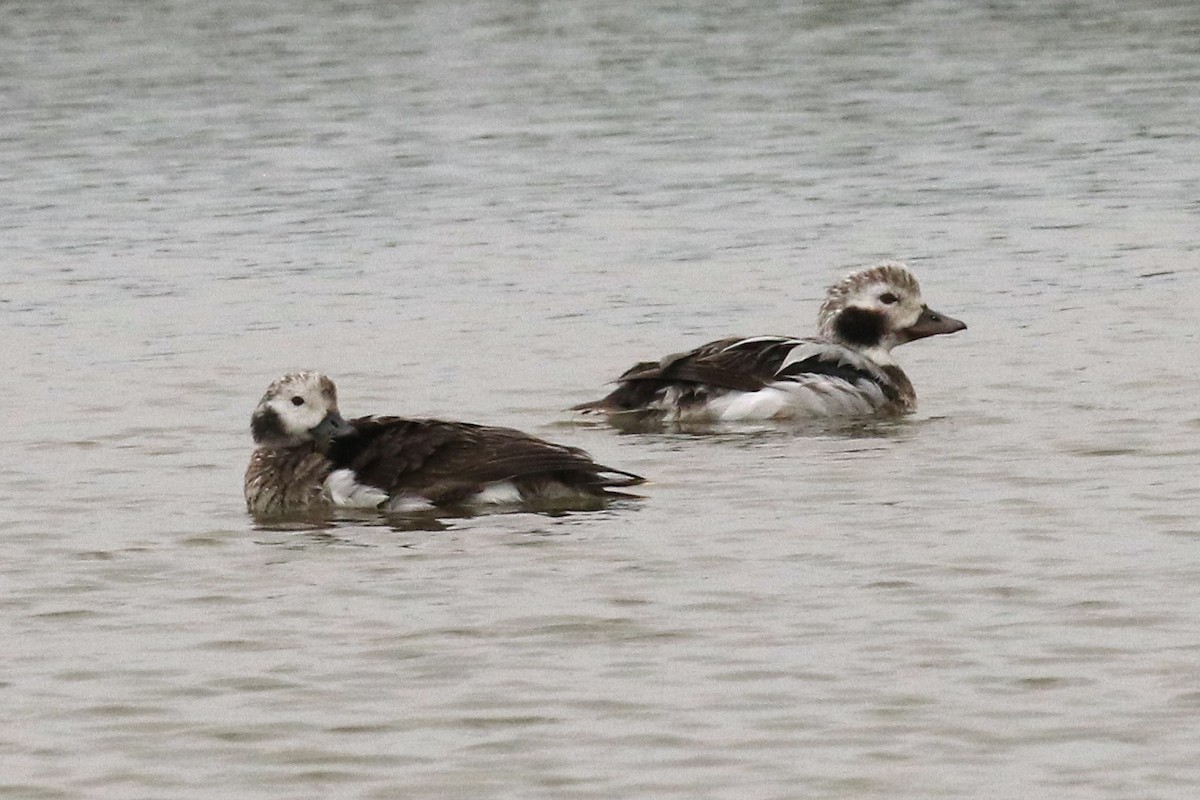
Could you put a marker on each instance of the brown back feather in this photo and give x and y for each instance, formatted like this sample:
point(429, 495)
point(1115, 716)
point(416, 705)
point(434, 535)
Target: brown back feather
point(451, 460)
point(747, 368)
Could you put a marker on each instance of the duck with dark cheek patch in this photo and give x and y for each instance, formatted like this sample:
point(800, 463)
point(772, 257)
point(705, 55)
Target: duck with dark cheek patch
point(308, 457)
point(847, 370)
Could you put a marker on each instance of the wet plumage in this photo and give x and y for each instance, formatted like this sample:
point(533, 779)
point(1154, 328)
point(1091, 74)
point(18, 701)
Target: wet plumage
point(847, 370)
point(310, 457)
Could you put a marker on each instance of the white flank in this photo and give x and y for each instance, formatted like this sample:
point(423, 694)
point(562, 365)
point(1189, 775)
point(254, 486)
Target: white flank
point(499, 493)
point(818, 396)
point(822, 396)
point(404, 503)
point(344, 490)
point(767, 403)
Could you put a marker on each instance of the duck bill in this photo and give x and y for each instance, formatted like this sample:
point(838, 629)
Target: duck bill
point(333, 426)
point(931, 323)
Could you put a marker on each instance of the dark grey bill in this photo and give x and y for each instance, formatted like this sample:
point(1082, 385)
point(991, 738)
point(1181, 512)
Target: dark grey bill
point(931, 323)
point(332, 427)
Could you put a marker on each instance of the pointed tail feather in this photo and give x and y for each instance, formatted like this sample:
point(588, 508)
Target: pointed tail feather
point(592, 407)
point(612, 478)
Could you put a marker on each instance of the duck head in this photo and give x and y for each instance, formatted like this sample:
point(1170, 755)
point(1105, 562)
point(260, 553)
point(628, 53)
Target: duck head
point(878, 308)
point(299, 408)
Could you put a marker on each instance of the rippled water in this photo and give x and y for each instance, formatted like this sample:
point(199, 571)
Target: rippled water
point(485, 210)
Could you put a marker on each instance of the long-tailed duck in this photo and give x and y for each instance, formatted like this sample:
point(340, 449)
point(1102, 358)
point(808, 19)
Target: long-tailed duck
point(846, 370)
point(309, 457)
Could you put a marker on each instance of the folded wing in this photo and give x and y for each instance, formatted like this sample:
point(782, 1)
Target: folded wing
point(451, 461)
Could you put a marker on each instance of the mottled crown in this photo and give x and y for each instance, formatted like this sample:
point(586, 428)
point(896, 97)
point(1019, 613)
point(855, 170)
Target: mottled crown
point(843, 293)
point(306, 379)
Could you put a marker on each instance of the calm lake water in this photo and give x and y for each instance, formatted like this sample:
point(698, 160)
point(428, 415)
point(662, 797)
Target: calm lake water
point(485, 211)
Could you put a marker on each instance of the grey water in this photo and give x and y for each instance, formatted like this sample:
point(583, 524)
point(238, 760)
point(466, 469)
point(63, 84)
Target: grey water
point(485, 210)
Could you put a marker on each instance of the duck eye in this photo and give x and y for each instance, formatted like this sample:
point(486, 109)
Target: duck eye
point(297, 401)
point(887, 298)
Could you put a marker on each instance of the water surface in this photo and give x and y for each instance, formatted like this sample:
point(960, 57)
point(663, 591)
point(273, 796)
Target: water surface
point(485, 210)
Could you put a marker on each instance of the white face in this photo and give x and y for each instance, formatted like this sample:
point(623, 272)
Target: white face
point(292, 407)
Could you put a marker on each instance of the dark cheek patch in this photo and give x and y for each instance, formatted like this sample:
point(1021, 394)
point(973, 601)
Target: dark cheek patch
point(861, 327)
point(266, 426)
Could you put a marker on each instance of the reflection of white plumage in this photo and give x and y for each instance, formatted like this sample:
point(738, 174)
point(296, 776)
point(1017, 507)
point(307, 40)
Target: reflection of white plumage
point(309, 457)
point(846, 370)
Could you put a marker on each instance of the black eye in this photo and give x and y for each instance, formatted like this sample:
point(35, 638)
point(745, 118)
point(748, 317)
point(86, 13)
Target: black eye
point(887, 298)
point(297, 401)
